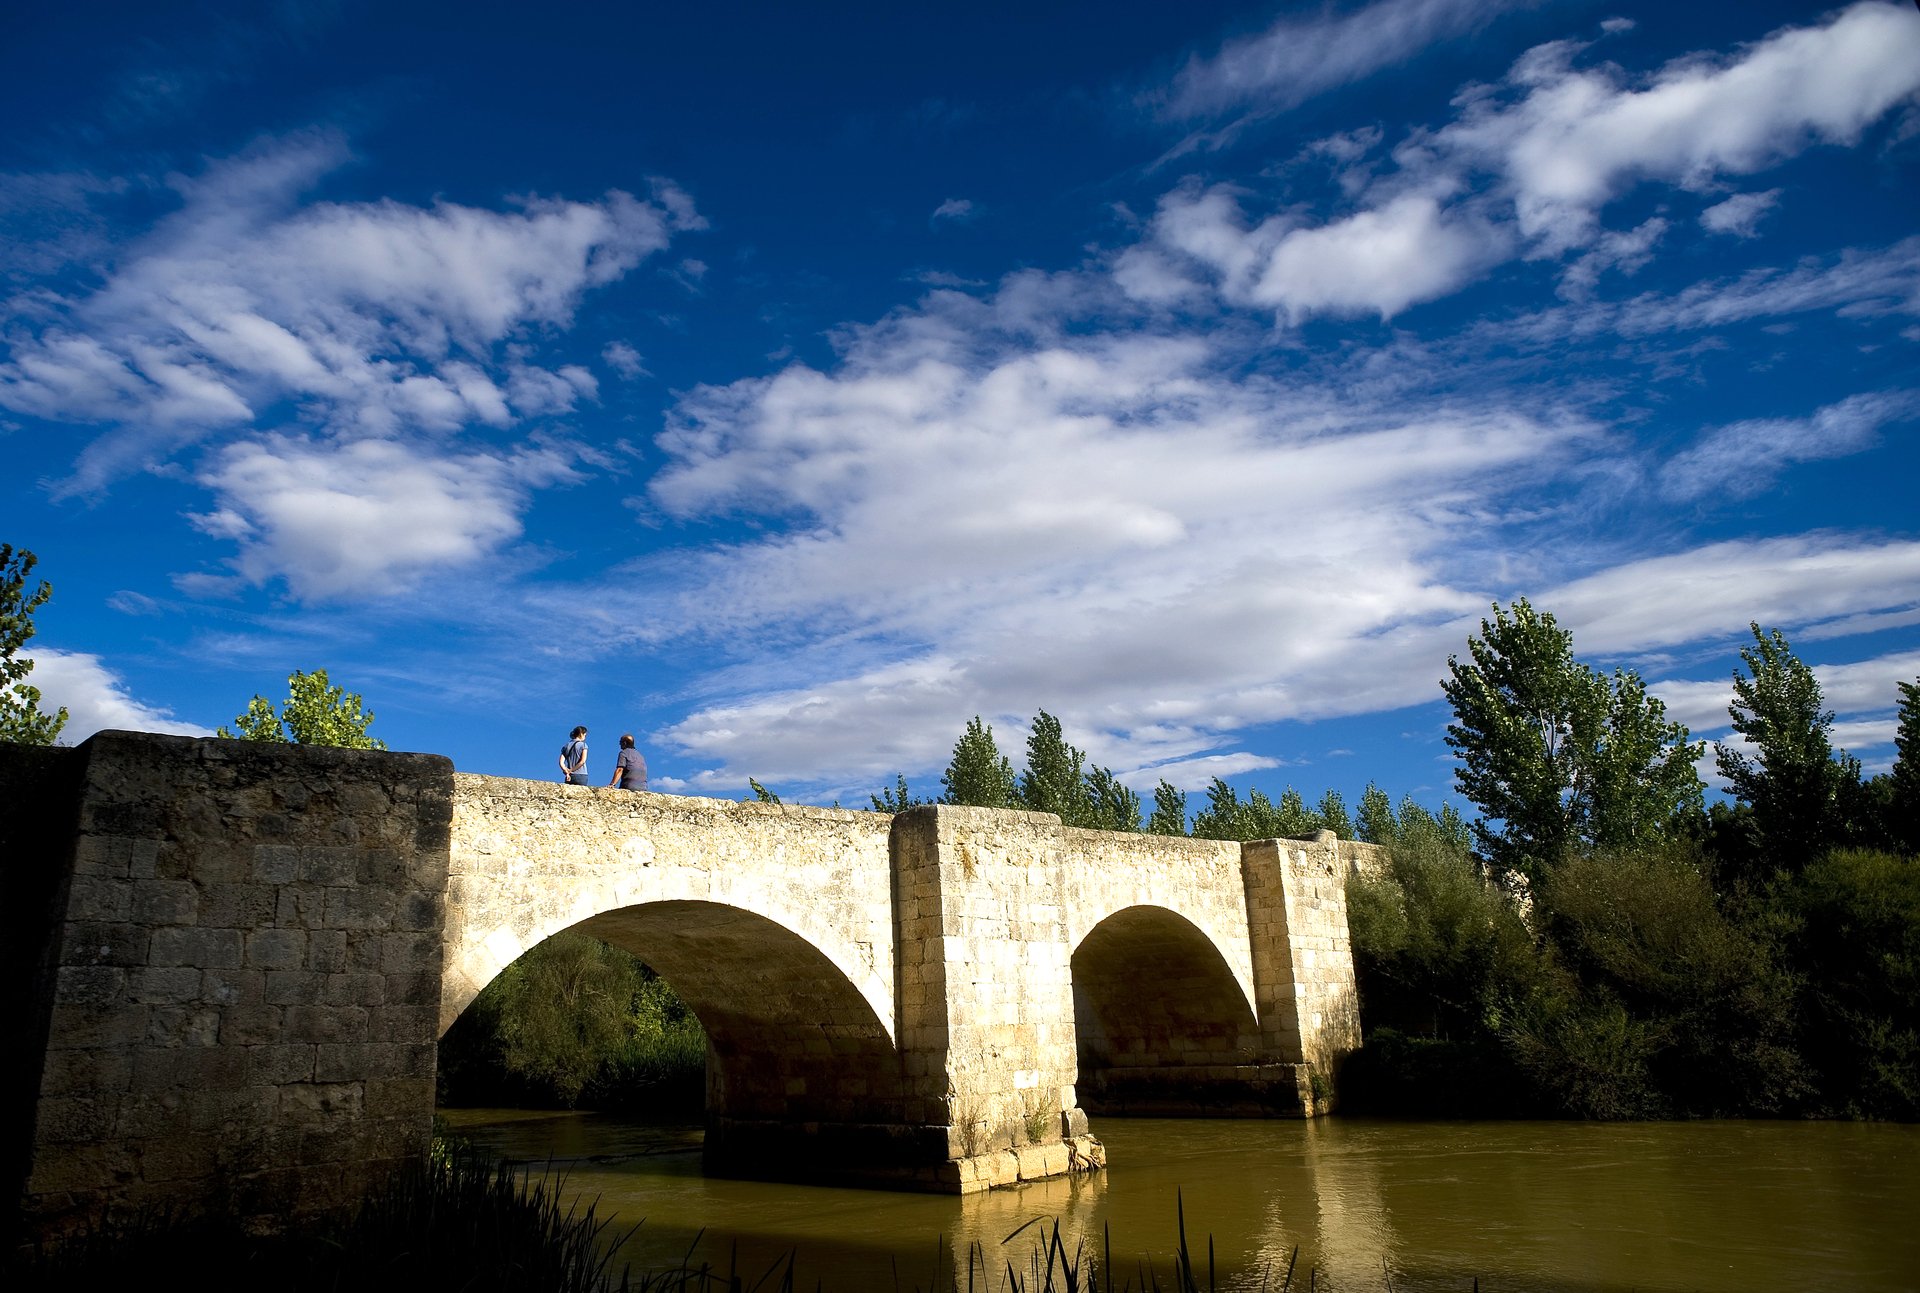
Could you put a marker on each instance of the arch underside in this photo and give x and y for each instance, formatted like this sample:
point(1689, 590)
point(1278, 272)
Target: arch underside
point(790, 1039)
point(1164, 1026)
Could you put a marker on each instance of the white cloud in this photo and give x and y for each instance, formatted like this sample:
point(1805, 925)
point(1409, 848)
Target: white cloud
point(1560, 143)
point(378, 318)
point(1578, 138)
point(624, 360)
point(1627, 252)
point(1744, 458)
point(979, 522)
point(1856, 283)
point(954, 209)
point(362, 519)
point(1698, 594)
point(96, 698)
point(1376, 261)
point(1297, 58)
point(1739, 215)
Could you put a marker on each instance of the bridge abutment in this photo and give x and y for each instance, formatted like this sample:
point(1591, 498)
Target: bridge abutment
point(238, 963)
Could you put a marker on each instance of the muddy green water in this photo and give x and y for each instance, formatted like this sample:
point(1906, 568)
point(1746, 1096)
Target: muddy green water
point(1518, 1205)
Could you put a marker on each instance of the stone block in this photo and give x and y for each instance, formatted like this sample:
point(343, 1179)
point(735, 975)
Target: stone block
point(354, 988)
point(381, 868)
point(250, 1025)
point(328, 865)
point(277, 1065)
point(99, 897)
point(413, 1025)
point(204, 948)
point(183, 1026)
point(91, 984)
point(230, 987)
point(105, 943)
point(293, 987)
point(97, 1025)
point(276, 864)
point(276, 949)
point(84, 1071)
point(317, 1104)
point(327, 950)
point(239, 906)
point(178, 1157)
point(300, 906)
point(306, 1023)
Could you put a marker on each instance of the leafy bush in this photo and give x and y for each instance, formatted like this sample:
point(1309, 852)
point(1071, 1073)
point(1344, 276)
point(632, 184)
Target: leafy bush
point(1859, 946)
point(574, 1021)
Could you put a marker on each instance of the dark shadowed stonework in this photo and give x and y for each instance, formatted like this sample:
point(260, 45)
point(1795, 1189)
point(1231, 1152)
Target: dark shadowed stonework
point(237, 959)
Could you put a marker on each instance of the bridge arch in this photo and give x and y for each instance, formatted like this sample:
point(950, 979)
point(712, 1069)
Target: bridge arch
point(1155, 1003)
point(528, 861)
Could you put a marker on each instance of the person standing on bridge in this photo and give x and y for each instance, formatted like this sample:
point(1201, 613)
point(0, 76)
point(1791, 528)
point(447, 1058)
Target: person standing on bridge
point(573, 758)
point(630, 772)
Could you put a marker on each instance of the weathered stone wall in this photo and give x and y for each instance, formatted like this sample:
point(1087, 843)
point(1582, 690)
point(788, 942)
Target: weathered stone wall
point(243, 977)
point(986, 993)
point(1303, 958)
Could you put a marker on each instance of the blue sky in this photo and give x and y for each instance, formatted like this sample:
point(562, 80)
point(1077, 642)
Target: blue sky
point(788, 384)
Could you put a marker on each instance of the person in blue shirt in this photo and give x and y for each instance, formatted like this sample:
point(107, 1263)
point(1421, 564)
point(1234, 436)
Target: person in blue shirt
point(573, 758)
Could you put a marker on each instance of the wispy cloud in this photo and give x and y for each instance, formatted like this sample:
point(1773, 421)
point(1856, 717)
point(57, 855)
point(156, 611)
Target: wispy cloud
point(1739, 215)
point(953, 209)
point(1528, 166)
point(378, 318)
point(1297, 58)
point(1744, 458)
point(377, 328)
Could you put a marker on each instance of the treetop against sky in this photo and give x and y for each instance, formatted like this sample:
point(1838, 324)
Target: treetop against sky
point(787, 385)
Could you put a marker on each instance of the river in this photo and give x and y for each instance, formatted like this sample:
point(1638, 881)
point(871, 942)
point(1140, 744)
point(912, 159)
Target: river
point(1573, 1207)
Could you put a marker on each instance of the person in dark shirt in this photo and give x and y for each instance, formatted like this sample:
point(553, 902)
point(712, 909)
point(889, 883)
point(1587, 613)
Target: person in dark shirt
point(630, 771)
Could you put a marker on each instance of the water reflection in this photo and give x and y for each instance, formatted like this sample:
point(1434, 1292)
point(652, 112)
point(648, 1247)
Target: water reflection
point(1586, 1208)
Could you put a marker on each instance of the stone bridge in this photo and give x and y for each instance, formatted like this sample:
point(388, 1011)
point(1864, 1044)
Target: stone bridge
point(243, 956)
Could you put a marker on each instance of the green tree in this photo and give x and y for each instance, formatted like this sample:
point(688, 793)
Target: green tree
point(21, 719)
point(1054, 780)
point(979, 775)
point(1333, 815)
point(761, 793)
point(1111, 806)
point(1226, 817)
point(1794, 784)
point(896, 800)
point(1555, 755)
point(1902, 812)
point(315, 713)
point(1377, 824)
point(1169, 810)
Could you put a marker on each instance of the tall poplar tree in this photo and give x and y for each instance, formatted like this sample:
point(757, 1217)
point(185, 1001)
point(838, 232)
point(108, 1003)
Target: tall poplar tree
point(1798, 789)
point(1904, 800)
point(978, 774)
point(1054, 780)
